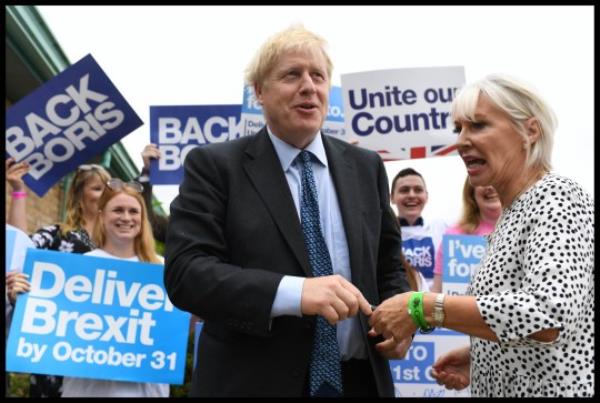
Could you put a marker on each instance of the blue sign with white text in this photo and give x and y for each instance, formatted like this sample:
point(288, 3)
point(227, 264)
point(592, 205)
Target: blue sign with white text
point(178, 129)
point(73, 117)
point(462, 255)
point(420, 254)
point(416, 365)
point(99, 318)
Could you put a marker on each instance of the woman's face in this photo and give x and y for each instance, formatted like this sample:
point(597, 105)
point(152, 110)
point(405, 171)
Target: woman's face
point(92, 190)
point(488, 201)
point(491, 147)
point(122, 218)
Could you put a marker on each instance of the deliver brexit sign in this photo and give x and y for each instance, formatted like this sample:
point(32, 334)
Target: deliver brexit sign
point(73, 117)
point(100, 318)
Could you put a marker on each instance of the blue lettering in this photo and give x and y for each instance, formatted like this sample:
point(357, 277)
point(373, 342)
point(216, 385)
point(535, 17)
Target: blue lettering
point(389, 97)
point(355, 127)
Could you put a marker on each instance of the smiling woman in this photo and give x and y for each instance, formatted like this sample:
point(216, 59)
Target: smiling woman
point(122, 231)
point(122, 228)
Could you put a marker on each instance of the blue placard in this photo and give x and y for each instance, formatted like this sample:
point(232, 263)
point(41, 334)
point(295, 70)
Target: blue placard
point(416, 365)
point(462, 255)
point(99, 318)
point(335, 112)
point(178, 129)
point(71, 118)
point(250, 104)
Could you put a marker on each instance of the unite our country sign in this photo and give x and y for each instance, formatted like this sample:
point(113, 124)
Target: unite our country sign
point(402, 113)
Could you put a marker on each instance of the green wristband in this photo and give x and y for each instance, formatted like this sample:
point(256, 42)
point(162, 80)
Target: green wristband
point(415, 310)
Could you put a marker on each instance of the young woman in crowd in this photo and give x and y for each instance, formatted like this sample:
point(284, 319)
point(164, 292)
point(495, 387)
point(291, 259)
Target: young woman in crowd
point(72, 236)
point(121, 231)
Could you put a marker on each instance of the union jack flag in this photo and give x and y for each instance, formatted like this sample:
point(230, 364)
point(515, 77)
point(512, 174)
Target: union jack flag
point(423, 152)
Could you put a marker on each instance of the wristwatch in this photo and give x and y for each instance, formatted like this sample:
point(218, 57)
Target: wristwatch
point(438, 310)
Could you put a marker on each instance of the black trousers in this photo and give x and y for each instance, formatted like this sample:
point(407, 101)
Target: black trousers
point(357, 379)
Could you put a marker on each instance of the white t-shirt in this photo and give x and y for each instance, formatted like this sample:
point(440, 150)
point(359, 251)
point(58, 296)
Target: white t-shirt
point(83, 387)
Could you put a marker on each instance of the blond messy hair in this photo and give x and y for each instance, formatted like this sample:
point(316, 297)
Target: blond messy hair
point(74, 217)
point(296, 37)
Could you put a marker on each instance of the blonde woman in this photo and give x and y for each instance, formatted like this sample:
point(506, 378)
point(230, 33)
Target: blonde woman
point(529, 308)
point(71, 236)
point(74, 234)
point(121, 231)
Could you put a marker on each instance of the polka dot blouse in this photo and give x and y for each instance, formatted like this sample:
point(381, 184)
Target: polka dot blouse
point(538, 274)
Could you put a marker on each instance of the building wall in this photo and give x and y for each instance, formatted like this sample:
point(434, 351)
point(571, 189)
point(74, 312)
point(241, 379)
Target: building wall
point(41, 211)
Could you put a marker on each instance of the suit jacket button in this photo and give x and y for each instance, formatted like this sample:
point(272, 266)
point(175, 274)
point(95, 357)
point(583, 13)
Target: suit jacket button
point(296, 373)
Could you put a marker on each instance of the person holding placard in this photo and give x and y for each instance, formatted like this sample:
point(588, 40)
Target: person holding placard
point(121, 231)
point(71, 236)
point(420, 238)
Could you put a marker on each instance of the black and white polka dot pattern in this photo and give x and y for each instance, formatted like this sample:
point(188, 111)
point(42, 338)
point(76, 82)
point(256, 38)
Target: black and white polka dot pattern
point(538, 274)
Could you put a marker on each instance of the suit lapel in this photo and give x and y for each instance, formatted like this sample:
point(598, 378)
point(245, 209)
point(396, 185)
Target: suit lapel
point(264, 170)
point(343, 172)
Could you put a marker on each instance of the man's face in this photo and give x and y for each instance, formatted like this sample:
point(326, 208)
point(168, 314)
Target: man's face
point(295, 96)
point(410, 196)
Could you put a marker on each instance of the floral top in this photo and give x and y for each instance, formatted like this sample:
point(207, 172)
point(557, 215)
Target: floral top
point(538, 274)
point(76, 241)
point(50, 237)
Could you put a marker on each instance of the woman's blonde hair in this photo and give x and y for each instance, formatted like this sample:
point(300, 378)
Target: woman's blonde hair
point(143, 242)
point(520, 102)
point(74, 218)
point(296, 37)
point(471, 215)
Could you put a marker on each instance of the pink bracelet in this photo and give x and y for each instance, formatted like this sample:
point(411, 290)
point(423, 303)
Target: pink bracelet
point(19, 195)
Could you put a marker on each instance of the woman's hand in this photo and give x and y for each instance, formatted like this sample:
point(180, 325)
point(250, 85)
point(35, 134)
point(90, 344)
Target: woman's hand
point(453, 369)
point(14, 174)
point(16, 283)
point(392, 320)
point(151, 151)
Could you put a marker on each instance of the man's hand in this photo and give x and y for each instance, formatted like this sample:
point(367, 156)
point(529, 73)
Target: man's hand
point(332, 297)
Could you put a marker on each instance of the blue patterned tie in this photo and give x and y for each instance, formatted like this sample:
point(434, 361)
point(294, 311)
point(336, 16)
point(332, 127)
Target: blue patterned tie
point(325, 369)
